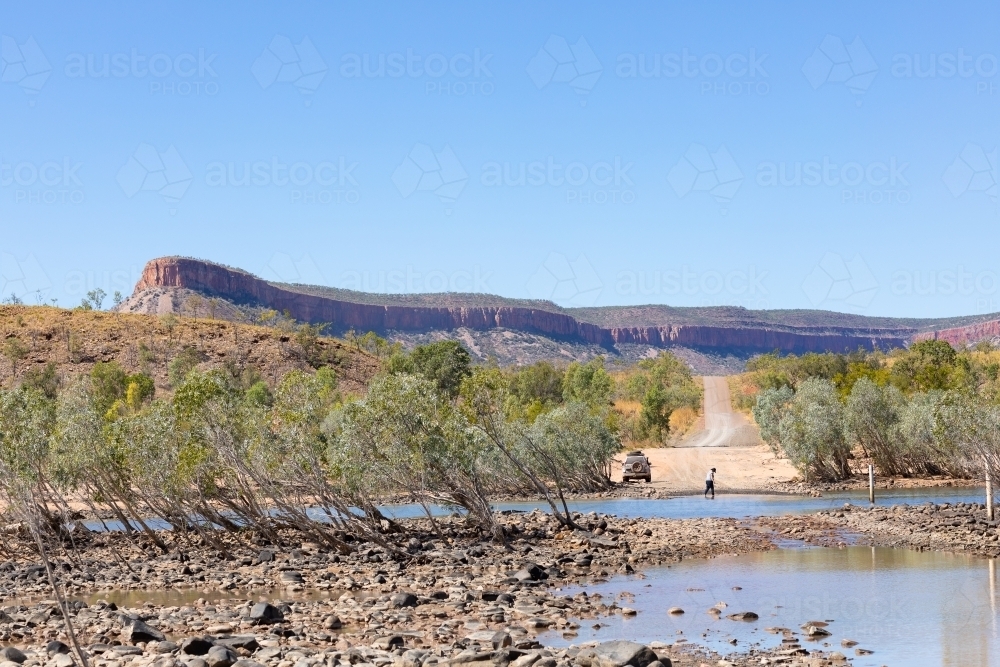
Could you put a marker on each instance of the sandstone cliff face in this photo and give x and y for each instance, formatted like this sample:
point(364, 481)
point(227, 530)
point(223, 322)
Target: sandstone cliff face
point(967, 334)
point(241, 287)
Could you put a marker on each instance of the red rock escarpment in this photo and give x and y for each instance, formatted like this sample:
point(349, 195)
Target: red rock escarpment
point(971, 333)
point(242, 287)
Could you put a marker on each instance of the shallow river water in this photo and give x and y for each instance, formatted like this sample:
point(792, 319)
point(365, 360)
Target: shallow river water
point(910, 608)
point(730, 505)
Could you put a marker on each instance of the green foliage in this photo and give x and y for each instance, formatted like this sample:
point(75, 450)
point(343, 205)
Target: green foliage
point(45, 380)
point(445, 363)
point(661, 385)
point(110, 384)
point(573, 443)
point(767, 413)
point(926, 366)
point(869, 369)
point(182, 364)
point(588, 383)
point(375, 345)
point(260, 394)
point(811, 431)
point(535, 389)
point(871, 419)
point(15, 351)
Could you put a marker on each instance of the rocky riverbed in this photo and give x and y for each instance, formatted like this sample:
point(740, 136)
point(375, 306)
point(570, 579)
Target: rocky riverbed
point(953, 527)
point(436, 593)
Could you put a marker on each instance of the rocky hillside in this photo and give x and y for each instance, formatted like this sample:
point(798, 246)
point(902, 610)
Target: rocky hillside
point(517, 330)
point(75, 340)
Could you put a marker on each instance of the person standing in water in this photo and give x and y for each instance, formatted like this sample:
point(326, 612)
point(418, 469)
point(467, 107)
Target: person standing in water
point(710, 483)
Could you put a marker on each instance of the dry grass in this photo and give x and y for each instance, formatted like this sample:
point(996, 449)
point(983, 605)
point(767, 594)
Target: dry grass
point(76, 339)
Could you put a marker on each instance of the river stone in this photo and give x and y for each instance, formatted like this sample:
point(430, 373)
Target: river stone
point(414, 657)
point(247, 663)
point(195, 646)
point(163, 647)
point(265, 556)
point(291, 577)
point(137, 631)
point(388, 642)
point(332, 623)
point(63, 660)
point(220, 656)
point(262, 612)
point(11, 654)
point(620, 653)
point(248, 642)
point(400, 600)
point(268, 653)
point(675, 610)
point(56, 646)
point(496, 639)
point(526, 660)
point(743, 616)
point(195, 662)
point(813, 631)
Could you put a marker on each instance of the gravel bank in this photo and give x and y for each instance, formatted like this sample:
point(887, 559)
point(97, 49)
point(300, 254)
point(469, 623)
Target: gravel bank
point(437, 594)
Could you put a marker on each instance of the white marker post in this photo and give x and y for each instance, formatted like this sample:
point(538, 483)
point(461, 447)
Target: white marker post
point(989, 491)
point(871, 483)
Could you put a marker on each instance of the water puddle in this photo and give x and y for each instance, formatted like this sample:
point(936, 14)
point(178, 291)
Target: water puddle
point(910, 608)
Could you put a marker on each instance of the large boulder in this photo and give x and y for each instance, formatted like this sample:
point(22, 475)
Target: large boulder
point(400, 600)
point(196, 646)
point(136, 631)
point(11, 654)
point(262, 613)
point(618, 653)
point(220, 656)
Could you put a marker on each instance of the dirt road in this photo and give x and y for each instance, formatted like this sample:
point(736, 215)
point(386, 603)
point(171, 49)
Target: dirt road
point(728, 443)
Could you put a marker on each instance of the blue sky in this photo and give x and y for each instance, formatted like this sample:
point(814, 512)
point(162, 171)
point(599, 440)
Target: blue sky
point(835, 155)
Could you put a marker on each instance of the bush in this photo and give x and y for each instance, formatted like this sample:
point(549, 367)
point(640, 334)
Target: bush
point(182, 364)
point(811, 432)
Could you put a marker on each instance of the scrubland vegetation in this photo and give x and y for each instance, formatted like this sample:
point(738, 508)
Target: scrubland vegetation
point(925, 410)
point(203, 445)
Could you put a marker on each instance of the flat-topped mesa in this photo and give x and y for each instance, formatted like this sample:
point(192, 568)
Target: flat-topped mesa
point(244, 288)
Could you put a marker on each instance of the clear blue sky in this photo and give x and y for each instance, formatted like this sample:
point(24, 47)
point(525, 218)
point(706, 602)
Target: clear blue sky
point(834, 155)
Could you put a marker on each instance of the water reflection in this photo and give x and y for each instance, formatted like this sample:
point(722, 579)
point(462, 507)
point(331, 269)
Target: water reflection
point(912, 608)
